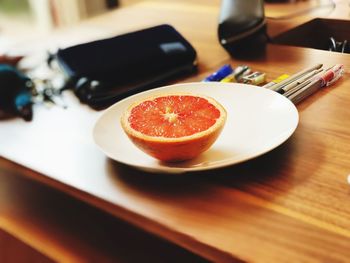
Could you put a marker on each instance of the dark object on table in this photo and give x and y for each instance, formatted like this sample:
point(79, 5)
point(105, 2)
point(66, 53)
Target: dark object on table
point(15, 94)
point(104, 71)
point(242, 27)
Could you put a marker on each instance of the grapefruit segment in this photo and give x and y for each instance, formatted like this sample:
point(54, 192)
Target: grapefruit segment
point(174, 127)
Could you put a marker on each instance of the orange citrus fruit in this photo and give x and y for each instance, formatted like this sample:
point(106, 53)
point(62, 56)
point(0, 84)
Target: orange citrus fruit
point(174, 127)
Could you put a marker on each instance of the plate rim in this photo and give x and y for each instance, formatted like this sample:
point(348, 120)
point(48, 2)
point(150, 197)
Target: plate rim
point(180, 170)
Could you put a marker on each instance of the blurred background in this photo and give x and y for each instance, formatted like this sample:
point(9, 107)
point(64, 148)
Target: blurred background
point(19, 16)
point(21, 21)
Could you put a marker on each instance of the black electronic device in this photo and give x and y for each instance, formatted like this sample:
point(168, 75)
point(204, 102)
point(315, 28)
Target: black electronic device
point(242, 27)
point(107, 70)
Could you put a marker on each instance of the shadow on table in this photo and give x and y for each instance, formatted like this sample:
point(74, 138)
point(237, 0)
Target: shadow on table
point(276, 165)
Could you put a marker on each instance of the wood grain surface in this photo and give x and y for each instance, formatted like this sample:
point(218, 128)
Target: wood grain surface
point(289, 205)
point(46, 225)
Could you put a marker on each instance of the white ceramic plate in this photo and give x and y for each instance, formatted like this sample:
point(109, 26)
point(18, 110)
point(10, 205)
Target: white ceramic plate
point(258, 120)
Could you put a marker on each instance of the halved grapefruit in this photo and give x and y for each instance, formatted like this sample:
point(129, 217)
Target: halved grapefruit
point(174, 127)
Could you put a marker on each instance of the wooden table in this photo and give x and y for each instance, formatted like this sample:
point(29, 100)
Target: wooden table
point(289, 205)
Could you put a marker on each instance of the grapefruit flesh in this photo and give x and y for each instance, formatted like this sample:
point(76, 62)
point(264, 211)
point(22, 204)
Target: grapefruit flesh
point(174, 127)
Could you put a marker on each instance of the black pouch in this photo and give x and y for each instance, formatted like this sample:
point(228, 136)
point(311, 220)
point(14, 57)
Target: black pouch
point(105, 71)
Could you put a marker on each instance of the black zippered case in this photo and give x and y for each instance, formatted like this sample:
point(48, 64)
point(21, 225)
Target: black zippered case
point(104, 71)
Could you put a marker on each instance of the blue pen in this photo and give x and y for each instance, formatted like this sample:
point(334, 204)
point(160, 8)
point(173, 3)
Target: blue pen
point(220, 73)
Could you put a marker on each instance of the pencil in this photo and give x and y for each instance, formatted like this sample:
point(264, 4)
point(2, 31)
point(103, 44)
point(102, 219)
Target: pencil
point(294, 77)
point(306, 91)
point(303, 79)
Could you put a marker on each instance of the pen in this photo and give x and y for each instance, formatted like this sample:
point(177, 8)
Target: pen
point(221, 73)
point(303, 79)
point(275, 81)
point(295, 77)
point(237, 74)
point(325, 79)
point(303, 84)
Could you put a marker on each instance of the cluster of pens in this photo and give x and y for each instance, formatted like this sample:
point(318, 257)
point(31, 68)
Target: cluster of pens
point(306, 82)
point(242, 74)
point(296, 87)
